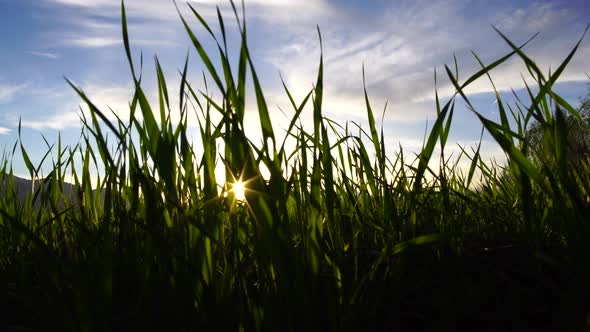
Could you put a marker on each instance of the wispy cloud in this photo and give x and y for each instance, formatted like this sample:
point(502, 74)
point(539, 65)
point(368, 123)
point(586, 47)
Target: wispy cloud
point(165, 10)
point(57, 121)
point(106, 97)
point(97, 25)
point(48, 55)
point(99, 42)
point(536, 17)
point(400, 45)
point(8, 92)
point(5, 131)
point(156, 22)
point(404, 44)
point(92, 42)
point(84, 3)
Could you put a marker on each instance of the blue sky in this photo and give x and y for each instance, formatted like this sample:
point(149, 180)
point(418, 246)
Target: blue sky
point(400, 44)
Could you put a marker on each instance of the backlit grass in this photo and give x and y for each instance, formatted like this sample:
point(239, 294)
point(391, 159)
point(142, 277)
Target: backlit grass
point(342, 234)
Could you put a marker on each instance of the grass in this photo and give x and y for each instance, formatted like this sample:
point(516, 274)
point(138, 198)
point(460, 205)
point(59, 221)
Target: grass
point(342, 235)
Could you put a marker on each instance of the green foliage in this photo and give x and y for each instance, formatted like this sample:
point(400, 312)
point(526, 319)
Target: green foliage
point(577, 138)
point(341, 236)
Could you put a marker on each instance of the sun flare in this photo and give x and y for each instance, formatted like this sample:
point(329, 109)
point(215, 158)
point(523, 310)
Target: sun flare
point(239, 190)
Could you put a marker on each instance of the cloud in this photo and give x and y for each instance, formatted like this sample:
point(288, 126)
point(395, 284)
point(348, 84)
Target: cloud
point(66, 111)
point(164, 10)
point(84, 3)
point(93, 42)
point(110, 99)
point(57, 121)
point(98, 42)
point(8, 92)
point(100, 32)
point(5, 131)
point(48, 55)
point(160, 8)
point(538, 16)
point(401, 48)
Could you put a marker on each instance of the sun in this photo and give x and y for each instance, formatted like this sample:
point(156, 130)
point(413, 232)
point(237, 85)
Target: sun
point(239, 190)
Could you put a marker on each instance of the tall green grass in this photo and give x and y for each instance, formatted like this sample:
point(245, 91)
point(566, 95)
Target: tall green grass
point(343, 235)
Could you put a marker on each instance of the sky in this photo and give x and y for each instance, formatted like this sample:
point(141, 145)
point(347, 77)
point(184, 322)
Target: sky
point(399, 43)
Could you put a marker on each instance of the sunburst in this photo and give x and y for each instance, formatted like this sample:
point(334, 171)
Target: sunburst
point(239, 190)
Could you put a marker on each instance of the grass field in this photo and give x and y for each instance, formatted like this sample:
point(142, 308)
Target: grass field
point(341, 235)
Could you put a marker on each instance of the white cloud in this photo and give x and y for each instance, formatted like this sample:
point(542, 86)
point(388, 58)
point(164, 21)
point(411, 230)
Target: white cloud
point(48, 55)
point(57, 121)
point(400, 47)
point(97, 25)
point(405, 44)
point(67, 114)
point(164, 10)
point(93, 42)
point(8, 92)
point(5, 131)
point(104, 96)
point(538, 16)
point(108, 98)
point(97, 42)
point(99, 32)
point(84, 3)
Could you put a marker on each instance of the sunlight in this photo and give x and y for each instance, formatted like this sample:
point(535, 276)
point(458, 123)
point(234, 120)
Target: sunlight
point(239, 190)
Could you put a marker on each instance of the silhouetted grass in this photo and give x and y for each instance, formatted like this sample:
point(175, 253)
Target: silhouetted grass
point(343, 235)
